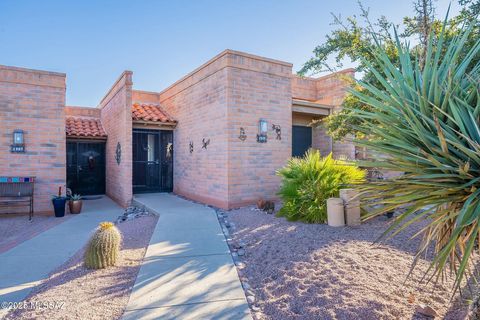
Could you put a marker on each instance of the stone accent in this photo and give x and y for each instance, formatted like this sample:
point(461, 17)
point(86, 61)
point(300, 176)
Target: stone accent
point(116, 116)
point(34, 101)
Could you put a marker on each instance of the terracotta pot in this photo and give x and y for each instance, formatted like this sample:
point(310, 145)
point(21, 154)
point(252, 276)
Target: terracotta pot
point(75, 206)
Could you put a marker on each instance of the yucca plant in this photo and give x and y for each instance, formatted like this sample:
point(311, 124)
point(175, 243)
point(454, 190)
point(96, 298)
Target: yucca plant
point(428, 129)
point(308, 182)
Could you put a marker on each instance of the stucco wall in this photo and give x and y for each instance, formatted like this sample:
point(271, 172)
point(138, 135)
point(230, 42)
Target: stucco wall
point(116, 117)
point(34, 101)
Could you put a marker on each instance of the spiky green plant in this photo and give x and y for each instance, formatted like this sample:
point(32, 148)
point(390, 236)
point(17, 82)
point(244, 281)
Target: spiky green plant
point(104, 246)
point(308, 182)
point(428, 128)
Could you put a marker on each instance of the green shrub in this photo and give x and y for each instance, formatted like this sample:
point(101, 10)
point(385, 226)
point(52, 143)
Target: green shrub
point(308, 182)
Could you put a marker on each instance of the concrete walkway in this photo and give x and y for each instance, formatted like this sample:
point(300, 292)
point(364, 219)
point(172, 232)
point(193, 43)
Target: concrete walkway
point(28, 264)
point(187, 272)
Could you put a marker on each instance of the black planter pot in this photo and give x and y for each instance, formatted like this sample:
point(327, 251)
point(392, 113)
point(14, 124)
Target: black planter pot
point(59, 206)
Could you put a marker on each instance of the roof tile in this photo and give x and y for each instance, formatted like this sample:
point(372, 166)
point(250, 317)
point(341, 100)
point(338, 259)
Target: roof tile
point(150, 112)
point(84, 127)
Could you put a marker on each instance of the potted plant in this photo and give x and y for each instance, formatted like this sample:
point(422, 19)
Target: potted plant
point(75, 204)
point(59, 203)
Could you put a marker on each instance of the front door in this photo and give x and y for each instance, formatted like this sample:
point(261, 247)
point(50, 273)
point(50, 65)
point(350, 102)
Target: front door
point(86, 167)
point(301, 140)
point(152, 161)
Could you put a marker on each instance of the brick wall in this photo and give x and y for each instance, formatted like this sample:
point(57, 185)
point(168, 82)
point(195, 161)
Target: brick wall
point(320, 139)
point(328, 90)
point(258, 88)
point(145, 96)
point(34, 101)
point(75, 111)
point(304, 88)
point(198, 102)
point(230, 91)
point(116, 117)
point(331, 89)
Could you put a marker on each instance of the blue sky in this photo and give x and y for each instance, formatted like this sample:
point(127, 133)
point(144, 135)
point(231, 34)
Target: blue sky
point(160, 41)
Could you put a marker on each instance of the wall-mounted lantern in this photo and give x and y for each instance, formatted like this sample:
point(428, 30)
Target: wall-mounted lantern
point(262, 131)
point(18, 141)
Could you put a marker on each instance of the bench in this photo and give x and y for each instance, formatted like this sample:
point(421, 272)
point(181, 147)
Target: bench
point(17, 191)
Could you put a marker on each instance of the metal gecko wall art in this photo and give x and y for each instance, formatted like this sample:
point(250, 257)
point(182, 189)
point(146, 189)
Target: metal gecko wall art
point(278, 131)
point(205, 143)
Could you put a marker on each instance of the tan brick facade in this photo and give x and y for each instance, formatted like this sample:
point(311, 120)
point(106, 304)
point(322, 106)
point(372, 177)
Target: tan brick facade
point(327, 90)
point(115, 113)
point(233, 90)
point(34, 102)
point(198, 102)
point(258, 89)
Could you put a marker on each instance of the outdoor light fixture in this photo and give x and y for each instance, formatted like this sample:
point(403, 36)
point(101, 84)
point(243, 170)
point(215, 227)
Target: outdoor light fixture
point(18, 141)
point(262, 131)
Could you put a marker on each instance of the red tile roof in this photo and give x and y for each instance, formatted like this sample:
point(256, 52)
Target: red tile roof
point(150, 112)
point(84, 127)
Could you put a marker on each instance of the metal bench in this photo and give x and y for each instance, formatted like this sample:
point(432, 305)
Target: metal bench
point(17, 191)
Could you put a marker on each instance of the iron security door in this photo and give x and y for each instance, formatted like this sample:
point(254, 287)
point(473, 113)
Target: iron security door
point(152, 161)
point(86, 167)
point(301, 140)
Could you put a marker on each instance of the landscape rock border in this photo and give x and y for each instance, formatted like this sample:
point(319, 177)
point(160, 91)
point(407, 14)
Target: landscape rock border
point(238, 250)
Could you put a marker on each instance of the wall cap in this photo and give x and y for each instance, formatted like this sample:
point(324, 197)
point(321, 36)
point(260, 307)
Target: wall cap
point(21, 69)
point(127, 74)
point(220, 55)
point(348, 70)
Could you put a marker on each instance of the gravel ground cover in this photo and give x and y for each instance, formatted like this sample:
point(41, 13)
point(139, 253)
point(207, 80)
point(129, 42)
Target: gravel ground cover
point(81, 293)
point(15, 228)
point(307, 271)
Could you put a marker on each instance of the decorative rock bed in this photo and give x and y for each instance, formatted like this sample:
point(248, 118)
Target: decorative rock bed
point(133, 212)
point(238, 251)
point(294, 270)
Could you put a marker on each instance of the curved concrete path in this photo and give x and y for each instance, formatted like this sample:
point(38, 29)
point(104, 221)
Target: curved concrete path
point(188, 271)
point(26, 265)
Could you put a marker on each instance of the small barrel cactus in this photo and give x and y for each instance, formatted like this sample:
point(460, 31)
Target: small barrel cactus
point(104, 246)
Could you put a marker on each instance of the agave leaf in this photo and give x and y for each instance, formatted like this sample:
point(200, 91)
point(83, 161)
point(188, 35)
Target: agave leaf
point(428, 128)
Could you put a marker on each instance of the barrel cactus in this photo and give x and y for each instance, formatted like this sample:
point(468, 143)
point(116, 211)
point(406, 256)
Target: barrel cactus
point(104, 246)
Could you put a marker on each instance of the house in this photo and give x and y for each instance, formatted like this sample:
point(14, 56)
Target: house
point(216, 136)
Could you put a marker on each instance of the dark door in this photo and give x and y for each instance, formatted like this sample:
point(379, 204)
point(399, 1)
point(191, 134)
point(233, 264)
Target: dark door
point(301, 140)
point(86, 167)
point(152, 161)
